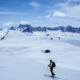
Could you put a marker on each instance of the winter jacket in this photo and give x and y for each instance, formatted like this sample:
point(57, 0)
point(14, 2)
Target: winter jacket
point(52, 64)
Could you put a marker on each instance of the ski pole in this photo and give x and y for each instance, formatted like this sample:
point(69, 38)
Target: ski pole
point(46, 70)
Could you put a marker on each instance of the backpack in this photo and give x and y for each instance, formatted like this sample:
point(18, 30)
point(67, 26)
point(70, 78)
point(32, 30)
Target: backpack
point(54, 65)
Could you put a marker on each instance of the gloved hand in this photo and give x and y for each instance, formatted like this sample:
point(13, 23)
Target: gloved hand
point(48, 65)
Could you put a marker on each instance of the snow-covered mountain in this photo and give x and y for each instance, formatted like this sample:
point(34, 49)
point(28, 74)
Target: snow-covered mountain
point(22, 54)
point(30, 29)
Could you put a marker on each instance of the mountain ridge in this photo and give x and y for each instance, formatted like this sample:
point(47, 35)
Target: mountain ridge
point(30, 29)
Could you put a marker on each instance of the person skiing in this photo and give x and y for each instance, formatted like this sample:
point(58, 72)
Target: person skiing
point(52, 65)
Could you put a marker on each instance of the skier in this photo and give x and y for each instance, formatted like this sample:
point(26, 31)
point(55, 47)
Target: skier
point(52, 65)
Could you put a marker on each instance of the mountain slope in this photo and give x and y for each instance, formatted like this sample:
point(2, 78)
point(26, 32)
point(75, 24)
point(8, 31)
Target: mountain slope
point(22, 57)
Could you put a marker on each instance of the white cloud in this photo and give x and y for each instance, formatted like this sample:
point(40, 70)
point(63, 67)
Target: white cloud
point(74, 0)
point(7, 23)
point(69, 3)
point(24, 22)
point(34, 4)
point(7, 12)
point(47, 16)
point(60, 14)
point(39, 17)
point(73, 11)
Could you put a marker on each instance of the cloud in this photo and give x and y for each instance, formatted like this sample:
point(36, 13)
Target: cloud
point(60, 14)
point(47, 16)
point(68, 3)
point(7, 13)
point(74, 0)
point(73, 11)
point(70, 12)
point(7, 23)
point(24, 22)
point(34, 4)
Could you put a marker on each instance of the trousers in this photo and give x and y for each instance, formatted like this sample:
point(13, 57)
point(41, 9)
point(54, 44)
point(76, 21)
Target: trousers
point(51, 70)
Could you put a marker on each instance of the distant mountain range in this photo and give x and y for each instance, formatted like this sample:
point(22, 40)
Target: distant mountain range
point(66, 29)
point(30, 29)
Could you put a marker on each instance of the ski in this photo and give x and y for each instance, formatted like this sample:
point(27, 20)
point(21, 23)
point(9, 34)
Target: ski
point(54, 77)
point(50, 76)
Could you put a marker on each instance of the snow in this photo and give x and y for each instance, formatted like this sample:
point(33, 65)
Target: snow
point(3, 32)
point(22, 56)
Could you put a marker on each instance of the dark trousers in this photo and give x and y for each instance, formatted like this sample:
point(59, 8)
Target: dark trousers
point(51, 70)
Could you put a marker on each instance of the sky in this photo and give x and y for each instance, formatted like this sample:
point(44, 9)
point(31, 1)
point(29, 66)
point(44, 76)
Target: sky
point(50, 13)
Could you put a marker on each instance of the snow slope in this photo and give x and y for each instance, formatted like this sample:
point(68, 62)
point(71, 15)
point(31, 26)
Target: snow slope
point(22, 57)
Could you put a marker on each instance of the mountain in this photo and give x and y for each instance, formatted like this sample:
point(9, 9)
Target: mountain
point(65, 29)
point(12, 28)
point(30, 29)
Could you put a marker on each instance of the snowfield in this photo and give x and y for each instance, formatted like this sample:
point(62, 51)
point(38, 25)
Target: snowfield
point(22, 56)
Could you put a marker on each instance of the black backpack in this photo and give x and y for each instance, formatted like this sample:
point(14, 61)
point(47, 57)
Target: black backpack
point(54, 65)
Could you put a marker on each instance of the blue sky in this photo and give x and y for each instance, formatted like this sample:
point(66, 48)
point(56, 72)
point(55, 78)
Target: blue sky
point(40, 12)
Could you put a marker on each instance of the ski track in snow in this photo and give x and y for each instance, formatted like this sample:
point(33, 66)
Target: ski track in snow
point(22, 57)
